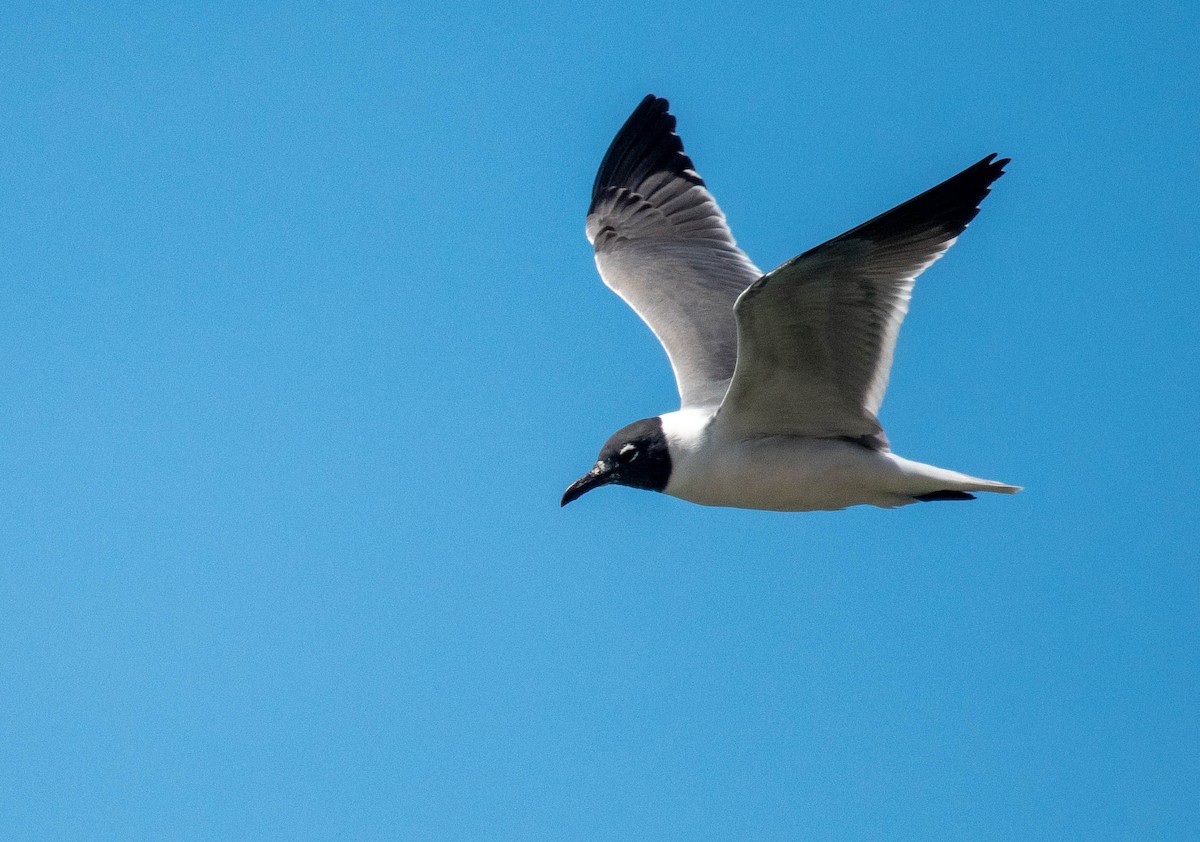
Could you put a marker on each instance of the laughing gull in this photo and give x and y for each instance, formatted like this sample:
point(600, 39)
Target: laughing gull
point(780, 375)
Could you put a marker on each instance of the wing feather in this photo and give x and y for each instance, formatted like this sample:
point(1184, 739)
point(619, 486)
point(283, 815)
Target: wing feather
point(663, 245)
point(816, 336)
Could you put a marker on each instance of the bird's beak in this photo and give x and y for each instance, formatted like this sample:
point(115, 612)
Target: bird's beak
point(600, 474)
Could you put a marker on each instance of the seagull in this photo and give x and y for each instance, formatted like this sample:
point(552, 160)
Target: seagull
point(780, 375)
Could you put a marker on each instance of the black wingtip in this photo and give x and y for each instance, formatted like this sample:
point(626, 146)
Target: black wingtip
point(947, 208)
point(990, 168)
point(645, 144)
point(996, 163)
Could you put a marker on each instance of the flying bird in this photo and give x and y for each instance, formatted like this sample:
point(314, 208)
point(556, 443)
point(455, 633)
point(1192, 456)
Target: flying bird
point(780, 375)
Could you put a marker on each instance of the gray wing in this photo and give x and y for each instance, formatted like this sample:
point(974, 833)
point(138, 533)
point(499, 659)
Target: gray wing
point(663, 246)
point(816, 335)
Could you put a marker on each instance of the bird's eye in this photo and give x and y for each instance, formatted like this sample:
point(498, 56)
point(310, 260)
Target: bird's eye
point(627, 454)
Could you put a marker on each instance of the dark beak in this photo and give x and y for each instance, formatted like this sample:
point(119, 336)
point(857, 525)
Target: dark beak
point(599, 475)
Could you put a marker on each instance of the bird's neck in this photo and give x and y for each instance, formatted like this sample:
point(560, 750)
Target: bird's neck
point(687, 430)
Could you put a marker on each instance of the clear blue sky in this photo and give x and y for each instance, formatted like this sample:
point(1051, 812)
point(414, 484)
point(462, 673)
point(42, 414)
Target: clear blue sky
point(301, 341)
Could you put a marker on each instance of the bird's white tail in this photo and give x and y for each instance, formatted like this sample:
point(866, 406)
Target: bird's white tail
point(920, 479)
point(991, 485)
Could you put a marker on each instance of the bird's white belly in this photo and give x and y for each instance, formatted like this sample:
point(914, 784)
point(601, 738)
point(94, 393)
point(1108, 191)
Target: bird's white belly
point(788, 473)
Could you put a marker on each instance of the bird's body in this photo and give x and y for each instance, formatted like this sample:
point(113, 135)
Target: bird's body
point(795, 473)
point(780, 375)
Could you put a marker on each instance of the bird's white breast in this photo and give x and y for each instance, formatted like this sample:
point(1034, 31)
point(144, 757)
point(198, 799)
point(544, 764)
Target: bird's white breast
point(784, 473)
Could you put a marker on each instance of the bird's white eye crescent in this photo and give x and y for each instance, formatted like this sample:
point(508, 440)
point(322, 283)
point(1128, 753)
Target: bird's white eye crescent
point(627, 453)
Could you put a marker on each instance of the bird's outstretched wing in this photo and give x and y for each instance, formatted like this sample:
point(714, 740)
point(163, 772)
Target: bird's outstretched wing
point(663, 246)
point(816, 335)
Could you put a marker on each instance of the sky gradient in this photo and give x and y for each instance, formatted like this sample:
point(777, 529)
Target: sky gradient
point(301, 341)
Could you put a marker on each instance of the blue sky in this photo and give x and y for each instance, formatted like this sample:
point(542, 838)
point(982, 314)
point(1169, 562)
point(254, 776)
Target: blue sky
point(301, 341)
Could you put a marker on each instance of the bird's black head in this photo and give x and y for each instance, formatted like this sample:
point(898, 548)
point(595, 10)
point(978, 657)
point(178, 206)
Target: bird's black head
point(635, 455)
